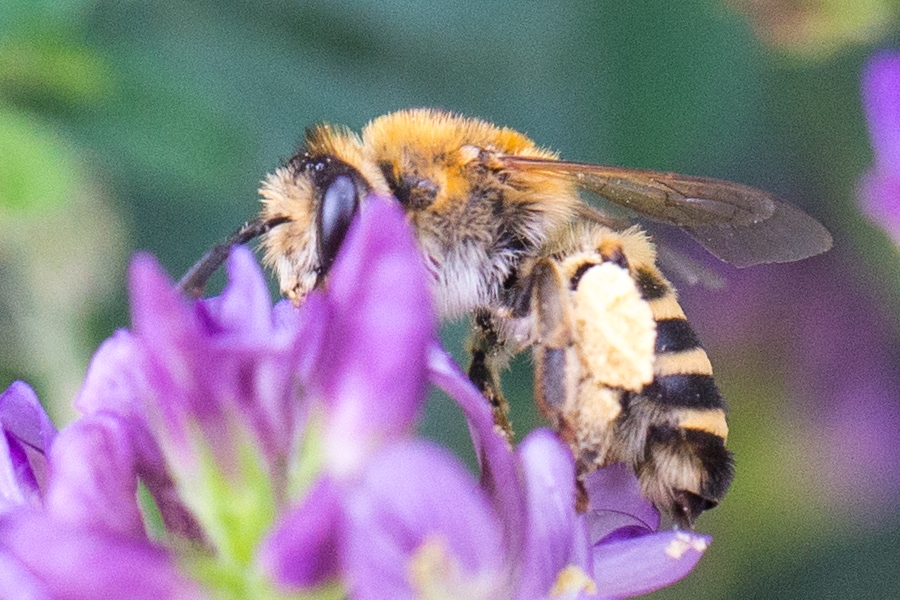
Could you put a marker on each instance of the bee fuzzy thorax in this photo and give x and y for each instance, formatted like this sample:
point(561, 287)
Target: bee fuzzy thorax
point(474, 219)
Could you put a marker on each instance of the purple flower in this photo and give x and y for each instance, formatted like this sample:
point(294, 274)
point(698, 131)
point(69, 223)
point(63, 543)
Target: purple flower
point(379, 320)
point(230, 411)
point(419, 524)
point(629, 555)
point(879, 189)
point(81, 534)
point(278, 447)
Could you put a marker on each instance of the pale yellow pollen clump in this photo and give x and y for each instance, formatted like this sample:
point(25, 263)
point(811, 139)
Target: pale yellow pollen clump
point(683, 543)
point(597, 405)
point(615, 328)
point(572, 580)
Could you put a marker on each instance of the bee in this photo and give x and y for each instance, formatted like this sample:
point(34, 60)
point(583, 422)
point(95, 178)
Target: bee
point(508, 239)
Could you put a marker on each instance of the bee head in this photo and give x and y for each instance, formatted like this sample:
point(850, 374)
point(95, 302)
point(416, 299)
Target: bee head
point(319, 194)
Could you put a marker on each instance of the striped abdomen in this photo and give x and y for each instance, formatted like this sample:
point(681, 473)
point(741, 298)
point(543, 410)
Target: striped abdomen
point(684, 459)
point(621, 373)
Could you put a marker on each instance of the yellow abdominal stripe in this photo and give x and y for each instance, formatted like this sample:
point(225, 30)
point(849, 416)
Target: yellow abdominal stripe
point(708, 420)
point(688, 362)
point(666, 307)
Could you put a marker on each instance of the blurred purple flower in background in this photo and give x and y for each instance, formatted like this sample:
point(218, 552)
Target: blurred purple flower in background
point(277, 446)
point(880, 187)
point(829, 365)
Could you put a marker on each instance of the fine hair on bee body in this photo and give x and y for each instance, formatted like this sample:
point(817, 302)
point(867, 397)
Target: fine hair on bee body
point(508, 239)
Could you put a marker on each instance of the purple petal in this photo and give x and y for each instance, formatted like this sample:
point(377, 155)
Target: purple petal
point(115, 383)
point(879, 196)
point(415, 502)
point(549, 475)
point(94, 481)
point(260, 350)
point(499, 474)
point(176, 364)
point(18, 484)
point(205, 368)
point(243, 308)
point(881, 99)
point(26, 434)
point(315, 317)
point(302, 549)
point(16, 581)
point(371, 369)
point(640, 565)
point(616, 502)
point(879, 189)
point(23, 417)
point(383, 318)
point(73, 563)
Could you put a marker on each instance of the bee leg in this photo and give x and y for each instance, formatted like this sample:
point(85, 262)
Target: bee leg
point(553, 353)
point(488, 356)
point(556, 368)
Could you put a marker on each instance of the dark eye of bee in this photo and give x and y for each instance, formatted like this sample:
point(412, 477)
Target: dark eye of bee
point(338, 187)
point(340, 202)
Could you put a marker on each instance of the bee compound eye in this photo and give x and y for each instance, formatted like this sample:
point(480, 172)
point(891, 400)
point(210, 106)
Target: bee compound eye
point(339, 203)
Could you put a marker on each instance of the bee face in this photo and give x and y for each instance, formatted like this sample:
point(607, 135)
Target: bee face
point(320, 194)
point(619, 372)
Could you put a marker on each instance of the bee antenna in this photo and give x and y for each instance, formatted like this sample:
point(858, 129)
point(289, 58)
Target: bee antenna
point(196, 278)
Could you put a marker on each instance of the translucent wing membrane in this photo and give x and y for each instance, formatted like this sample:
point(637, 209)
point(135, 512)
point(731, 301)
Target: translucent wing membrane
point(789, 234)
point(737, 223)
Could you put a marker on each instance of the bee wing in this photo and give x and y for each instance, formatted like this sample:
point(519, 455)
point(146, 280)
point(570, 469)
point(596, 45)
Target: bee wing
point(737, 223)
point(687, 270)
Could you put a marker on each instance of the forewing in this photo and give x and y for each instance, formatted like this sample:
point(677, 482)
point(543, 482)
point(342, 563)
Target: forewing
point(737, 223)
point(789, 234)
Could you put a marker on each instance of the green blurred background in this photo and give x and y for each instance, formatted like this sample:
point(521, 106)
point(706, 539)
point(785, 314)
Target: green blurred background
point(130, 125)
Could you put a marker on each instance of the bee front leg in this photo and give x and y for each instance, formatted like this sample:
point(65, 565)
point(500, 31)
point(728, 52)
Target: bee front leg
point(488, 356)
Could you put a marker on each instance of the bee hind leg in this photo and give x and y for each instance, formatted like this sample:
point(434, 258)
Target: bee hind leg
point(556, 367)
point(553, 350)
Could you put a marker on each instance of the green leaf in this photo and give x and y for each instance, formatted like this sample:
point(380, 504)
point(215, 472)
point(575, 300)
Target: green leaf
point(37, 171)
